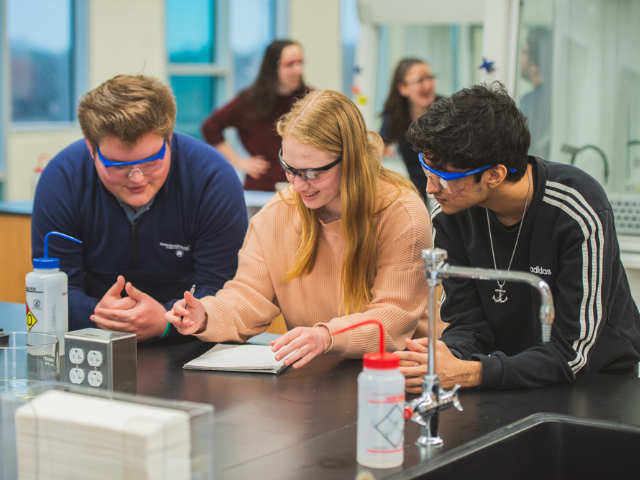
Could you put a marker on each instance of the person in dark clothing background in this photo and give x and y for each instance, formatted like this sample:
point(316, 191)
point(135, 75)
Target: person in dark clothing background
point(254, 111)
point(413, 89)
point(500, 208)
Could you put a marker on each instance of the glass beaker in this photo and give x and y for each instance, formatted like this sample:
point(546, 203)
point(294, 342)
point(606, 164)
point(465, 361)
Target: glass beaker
point(27, 359)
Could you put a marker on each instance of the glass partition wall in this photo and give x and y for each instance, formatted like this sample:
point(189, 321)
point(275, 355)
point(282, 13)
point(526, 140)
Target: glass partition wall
point(453, 51)
point(579, 85)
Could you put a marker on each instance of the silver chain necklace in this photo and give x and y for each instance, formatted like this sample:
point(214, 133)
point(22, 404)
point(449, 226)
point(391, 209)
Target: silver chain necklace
point(502, 297)
point(332, 216)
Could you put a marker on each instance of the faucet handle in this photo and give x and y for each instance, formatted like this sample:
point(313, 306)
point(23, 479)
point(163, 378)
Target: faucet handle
point(408, 412)
point(420, 409)
point(451, 396)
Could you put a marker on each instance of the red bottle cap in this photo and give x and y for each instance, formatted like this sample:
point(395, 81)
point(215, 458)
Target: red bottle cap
point(381, 361)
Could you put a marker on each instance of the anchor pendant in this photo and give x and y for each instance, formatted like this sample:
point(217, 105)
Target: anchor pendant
point(500, 298)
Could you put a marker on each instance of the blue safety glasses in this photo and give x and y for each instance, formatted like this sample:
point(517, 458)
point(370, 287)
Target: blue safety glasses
point(453, 175)
point(450, 175)
point(158, 156)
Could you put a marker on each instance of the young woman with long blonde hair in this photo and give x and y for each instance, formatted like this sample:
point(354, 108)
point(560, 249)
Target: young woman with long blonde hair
point(342, 244)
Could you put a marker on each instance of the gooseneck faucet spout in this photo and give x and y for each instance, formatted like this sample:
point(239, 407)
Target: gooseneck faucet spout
point(547, 312)
point(425, 409)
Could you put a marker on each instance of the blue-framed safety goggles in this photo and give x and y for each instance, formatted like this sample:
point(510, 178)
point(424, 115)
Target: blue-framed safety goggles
point(453, 175)
point(158, 156)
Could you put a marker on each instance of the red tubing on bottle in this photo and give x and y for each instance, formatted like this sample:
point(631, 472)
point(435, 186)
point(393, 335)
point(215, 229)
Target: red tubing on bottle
point(380, 360)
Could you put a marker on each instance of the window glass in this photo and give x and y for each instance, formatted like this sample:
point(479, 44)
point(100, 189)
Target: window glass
point(39, 33)
point(252, 30)
point(2, 110)
point(589, 62)
point(350, 34)
point(535, 68)
point(190, 32)
point(198, 78)
point(195, 98)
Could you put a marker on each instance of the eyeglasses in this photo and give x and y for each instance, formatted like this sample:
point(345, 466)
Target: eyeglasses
point(146, 166)
point(306, 174)
point(442, 179)
point(294, 63)
point(425, 78)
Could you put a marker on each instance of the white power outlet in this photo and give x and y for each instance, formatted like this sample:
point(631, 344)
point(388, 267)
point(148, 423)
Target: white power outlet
point(76, 375)
point(100, 359)
point(95, 378)
point(76, 356)
point(94, 358)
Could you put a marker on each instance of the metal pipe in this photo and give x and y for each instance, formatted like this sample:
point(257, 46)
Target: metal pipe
point(547, 311)
point(433, 259)
point(425, 410)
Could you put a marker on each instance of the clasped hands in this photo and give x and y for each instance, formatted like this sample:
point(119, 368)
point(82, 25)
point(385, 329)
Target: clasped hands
point(138, 313)
point(298, 346)
point(451, 370)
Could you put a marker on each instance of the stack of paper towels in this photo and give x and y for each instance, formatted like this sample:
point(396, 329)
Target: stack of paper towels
point(62, 435)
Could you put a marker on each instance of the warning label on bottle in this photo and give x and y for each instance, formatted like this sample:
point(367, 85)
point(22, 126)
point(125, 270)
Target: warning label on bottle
point(31, 320)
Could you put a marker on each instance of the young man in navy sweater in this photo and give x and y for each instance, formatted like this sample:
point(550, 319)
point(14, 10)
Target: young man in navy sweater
point(157, 211)
point(499, 208)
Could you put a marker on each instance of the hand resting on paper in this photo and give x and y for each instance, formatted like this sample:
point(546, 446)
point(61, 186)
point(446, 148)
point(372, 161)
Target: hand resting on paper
point(306, 343)
point(194, 318)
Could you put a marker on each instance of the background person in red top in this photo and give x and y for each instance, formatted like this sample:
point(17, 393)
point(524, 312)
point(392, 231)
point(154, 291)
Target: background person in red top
point(254, 113)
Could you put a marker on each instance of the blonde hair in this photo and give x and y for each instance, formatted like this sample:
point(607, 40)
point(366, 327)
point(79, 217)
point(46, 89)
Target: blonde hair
point(127, 108)
point(329, 121)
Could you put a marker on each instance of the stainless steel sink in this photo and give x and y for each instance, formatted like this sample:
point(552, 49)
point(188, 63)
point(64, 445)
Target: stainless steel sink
point(543, 446)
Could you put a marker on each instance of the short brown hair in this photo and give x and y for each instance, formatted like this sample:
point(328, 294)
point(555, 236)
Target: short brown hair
point(127, 108)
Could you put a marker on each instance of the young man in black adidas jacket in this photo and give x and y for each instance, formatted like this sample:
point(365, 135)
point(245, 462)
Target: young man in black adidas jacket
point(526, 214)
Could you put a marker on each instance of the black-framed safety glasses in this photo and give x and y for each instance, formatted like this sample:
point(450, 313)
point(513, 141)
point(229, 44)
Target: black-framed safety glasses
point(306, 174)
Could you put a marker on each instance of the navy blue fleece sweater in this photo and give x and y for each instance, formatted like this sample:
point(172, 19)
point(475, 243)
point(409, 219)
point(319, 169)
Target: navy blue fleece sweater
point(191, 234)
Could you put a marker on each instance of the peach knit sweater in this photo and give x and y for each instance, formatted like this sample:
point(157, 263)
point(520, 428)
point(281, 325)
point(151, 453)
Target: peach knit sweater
point(248, 303)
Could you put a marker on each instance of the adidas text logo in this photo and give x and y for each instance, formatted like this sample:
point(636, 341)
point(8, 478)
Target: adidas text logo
point(540, 270)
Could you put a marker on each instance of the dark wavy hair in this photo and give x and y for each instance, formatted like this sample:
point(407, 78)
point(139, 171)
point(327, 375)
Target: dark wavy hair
point(477, 126)
point(396, 107)
point(264, 91)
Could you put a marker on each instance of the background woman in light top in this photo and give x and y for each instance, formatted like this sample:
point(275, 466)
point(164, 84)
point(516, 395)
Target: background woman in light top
point(254, 113)
point(412, 90)
point(342, 244)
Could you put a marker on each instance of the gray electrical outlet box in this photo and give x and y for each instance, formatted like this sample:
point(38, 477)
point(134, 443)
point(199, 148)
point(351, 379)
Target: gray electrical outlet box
point(101, 359)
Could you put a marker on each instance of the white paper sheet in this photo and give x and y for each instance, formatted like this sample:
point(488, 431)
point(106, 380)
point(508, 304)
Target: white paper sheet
point(238, 358)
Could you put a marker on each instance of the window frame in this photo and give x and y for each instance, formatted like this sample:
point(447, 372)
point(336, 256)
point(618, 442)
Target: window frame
point(4, 97)
point(221, 70)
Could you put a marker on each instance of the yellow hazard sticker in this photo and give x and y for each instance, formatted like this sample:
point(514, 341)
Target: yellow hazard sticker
point(361, 99)
point(31, 320)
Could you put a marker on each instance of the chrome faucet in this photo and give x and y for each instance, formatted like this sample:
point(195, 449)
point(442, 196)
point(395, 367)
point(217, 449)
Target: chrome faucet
point(425, 409)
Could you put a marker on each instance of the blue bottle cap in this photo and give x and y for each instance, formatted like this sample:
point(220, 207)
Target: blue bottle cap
point(46, 263)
